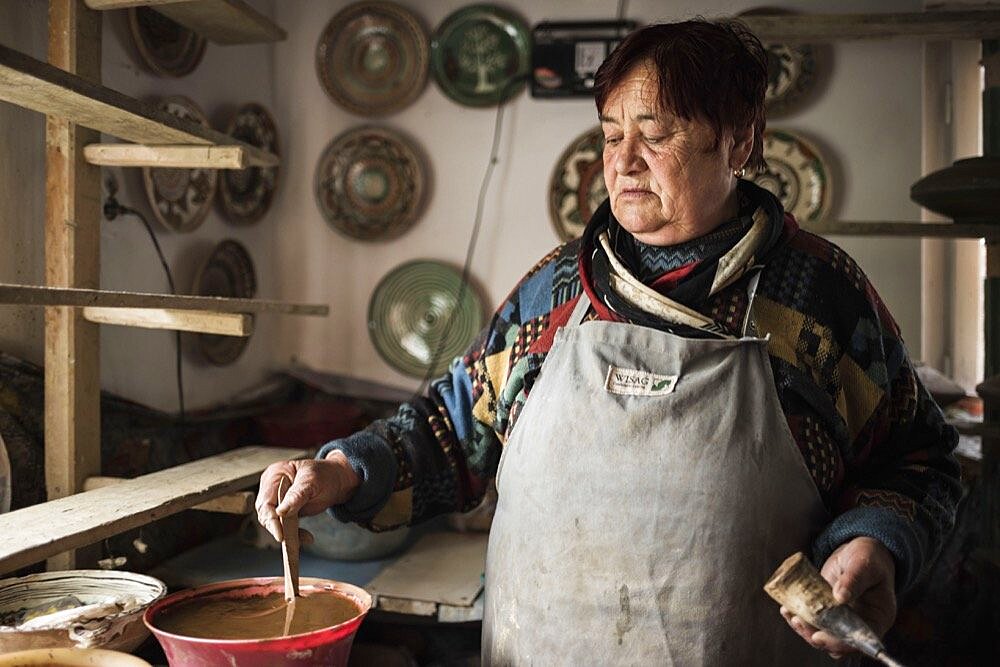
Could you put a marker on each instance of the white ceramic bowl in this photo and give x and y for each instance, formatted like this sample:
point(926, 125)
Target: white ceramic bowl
point(122, 631)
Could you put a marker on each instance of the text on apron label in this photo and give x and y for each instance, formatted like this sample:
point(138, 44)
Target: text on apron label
point(632, 382)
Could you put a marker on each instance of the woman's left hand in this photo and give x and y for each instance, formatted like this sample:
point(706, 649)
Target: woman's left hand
point(862, 573)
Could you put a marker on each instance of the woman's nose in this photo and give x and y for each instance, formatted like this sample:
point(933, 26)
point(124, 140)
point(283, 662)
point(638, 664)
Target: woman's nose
point(628, 159)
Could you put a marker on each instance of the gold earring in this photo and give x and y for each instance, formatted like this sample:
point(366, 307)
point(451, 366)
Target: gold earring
point(740, 173)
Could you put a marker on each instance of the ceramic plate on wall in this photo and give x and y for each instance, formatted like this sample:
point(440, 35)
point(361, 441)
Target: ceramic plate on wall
point(481, 55)
point(372, 58)
point(246, 194)
point(180, 198)
point(796, 174)
point(791, 70)
point(369, 184)
point(577, 186)
point(420, 315)
point(166, 47)
point(227, 272)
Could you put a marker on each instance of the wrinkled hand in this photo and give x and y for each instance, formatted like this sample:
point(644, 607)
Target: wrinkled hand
point(862, 573)
point(316, 485)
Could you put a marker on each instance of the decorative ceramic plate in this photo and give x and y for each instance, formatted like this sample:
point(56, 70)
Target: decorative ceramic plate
point(372, 58)
point(369, 183)
point(180, 198)
point(577, 185)
point(791, 70)
point(166, 47)
point(796, 174)
point(420, 317)
point(246, 194)
point(481, 55)
point(228, 272)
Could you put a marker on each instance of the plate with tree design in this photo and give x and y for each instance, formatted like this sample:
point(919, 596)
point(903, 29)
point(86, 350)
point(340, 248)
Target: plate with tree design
point(481, 55)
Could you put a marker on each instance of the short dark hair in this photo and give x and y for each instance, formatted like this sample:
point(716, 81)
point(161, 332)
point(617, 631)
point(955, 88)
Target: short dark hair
point(714, 71)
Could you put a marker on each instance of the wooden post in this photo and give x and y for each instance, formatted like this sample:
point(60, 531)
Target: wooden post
point(989, 390)
point(72, 259)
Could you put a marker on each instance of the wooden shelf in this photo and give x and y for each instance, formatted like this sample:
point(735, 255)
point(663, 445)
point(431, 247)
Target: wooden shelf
point(240, 502)
point(223, 324)
point(954, 230)
point(177, 157)
point(35, 85)
point(932, 25)
point(31, 295)
point(221, 21)
point(37, 532)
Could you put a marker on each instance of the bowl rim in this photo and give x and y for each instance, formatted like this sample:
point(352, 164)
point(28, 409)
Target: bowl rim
point(364, 600)
point(159, 586)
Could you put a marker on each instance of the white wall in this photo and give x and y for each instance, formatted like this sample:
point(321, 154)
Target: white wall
point(868, 122)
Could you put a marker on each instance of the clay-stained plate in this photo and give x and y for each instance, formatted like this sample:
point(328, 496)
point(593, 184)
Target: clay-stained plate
point(796, 174)
point(180, 198)
point(420, 315)
point(166, 47)
point(791, 70)
point(481, 55)
point(369, 183)
point(246, 194)
point(228, 271)
point(372, 58)
point(577, 186)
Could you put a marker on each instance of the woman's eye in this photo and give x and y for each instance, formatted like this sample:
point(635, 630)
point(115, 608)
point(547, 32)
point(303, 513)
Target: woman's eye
point(612, 141)
point(655, 140)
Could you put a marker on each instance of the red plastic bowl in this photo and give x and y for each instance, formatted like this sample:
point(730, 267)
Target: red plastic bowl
point(327, 646)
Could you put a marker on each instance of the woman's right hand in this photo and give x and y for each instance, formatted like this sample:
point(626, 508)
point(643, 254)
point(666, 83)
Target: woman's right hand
point(316, 485)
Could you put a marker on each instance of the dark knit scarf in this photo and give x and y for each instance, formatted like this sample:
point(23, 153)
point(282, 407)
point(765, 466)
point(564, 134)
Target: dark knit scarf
point(696, 260)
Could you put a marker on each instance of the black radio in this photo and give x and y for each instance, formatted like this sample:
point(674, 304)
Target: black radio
point(565, 55)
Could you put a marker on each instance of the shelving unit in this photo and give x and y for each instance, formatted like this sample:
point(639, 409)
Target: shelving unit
point(68, 90)
point(221, 21)
point(977, 22)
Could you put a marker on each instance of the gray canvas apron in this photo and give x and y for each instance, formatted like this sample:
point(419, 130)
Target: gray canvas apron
point(647, 492)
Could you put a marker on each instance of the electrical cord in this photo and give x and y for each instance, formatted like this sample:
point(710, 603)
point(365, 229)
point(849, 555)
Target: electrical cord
point(112, 209)
point(474, 236)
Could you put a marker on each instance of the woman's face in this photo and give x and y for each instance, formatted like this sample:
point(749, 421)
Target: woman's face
point(667, 184)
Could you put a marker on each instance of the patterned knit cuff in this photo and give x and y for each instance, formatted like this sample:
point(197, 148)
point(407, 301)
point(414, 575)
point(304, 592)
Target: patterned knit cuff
point(902, 538)
point(374, 462)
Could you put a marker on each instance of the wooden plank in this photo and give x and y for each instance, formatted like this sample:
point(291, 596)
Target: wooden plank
point(35, 85)
point(955, 230)
point(39, 531)
point(179, 157)
point(222, 21)
point(441, 568)
point(241, 502)
point(72, 259)
point(932, 25)
point(33, 295)
point(225, 324)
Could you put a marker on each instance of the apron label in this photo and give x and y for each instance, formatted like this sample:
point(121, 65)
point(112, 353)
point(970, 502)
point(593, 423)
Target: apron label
point(631, 382)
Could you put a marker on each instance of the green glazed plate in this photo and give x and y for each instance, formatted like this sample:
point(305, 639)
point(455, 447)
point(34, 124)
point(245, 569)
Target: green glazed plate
point(481, 55)
point(420, 317)
point(372, 58)
point(369, 184)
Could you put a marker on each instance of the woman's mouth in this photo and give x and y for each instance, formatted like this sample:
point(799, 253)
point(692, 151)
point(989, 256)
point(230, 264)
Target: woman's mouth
point(634, 193)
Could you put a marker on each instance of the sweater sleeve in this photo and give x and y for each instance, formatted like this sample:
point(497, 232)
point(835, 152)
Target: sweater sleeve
point(440, 451)
point(901, 484)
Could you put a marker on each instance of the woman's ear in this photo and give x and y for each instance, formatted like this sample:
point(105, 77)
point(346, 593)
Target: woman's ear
point(742, 145)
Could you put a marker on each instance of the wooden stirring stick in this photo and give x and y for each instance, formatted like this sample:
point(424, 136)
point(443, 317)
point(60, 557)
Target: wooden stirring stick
point(289, 555)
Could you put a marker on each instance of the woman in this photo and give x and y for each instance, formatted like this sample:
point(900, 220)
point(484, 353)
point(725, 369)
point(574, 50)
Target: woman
point(699, 389)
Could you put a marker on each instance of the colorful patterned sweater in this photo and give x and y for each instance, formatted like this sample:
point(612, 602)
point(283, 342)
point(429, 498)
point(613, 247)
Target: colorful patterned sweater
point(876, 444)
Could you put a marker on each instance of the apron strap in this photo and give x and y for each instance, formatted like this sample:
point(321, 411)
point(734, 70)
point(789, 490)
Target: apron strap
point(580, 311)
